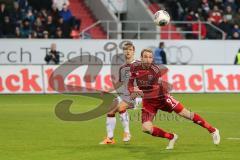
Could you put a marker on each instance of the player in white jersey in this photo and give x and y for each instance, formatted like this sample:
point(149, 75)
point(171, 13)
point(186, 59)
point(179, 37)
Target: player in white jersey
point(123, 101)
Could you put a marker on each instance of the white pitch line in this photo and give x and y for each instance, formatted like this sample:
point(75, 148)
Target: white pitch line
point(233, 138)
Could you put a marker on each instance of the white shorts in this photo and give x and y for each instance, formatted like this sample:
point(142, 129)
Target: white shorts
point(132, 103)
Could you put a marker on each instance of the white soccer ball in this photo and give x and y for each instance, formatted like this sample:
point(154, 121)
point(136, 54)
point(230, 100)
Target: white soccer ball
point(161, 18)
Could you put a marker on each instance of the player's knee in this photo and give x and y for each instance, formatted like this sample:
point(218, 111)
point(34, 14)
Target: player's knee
point(147, 127)
point(122, 108)
point(186, 114)
point(113, 108)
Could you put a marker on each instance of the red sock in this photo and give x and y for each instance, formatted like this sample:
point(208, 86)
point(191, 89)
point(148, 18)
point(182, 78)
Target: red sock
point(157, 132)
point(200, 121)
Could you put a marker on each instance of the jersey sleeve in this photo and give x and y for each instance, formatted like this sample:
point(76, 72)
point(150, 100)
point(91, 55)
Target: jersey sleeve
point(120, 74)
point(159, 70)
point(162, 86)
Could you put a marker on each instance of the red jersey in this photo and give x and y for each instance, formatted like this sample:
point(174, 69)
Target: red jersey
point(148, 80)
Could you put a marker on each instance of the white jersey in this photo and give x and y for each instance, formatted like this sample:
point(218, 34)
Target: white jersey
point(124, 75)
point(124, 95)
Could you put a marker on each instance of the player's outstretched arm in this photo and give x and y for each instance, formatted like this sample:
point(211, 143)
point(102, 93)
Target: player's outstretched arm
point(131, 80)
point(115, 87)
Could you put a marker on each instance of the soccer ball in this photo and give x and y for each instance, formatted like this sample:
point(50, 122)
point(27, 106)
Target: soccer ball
point(161, 18)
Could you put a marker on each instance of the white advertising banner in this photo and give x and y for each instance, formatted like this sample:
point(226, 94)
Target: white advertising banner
point(19, 51)
point(17, 79)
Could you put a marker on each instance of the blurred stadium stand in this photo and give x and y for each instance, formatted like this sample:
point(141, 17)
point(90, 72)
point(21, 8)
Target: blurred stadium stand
point(154, 7)
point(223, 14)
point(91, 19)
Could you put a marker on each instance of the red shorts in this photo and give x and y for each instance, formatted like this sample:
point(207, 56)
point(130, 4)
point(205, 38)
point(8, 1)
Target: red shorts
point(166, 103)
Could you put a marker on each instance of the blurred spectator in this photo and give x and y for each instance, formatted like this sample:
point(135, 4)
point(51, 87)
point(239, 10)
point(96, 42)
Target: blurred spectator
point(59, 33)
point(53, 56)
point(160, 55)
point(25, 29)
point(30, 17)
point(55, 14)
point(64, 26)
point(17, 32)
point(75, 33)
point(43, 14)
point(7, 28)
point(231, 3)
point(200, 30)
point(215, 16)
point(191, 16)
point(205, 8)
point(235, 36)
point(211, 32)
point(50, 26)
point(16, 14)
point(236, 28)
point(3, 12)
point(33, 35)
point(66, 14)
point(237, 17)
point(228, 14)
point(59, 4)
point(218, 3)
point(175, 9)
point(38, 27)
point(226, 27)
point(37, 19)
point(45, 34)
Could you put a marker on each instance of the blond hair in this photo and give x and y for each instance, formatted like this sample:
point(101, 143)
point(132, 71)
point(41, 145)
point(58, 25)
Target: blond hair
point(146, 50)
point(127, 45)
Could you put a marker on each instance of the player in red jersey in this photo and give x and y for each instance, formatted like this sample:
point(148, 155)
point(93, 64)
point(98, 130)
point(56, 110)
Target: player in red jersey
point(156, 97)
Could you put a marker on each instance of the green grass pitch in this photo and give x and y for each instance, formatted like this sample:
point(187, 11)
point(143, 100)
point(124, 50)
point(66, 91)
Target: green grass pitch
point(29, 130)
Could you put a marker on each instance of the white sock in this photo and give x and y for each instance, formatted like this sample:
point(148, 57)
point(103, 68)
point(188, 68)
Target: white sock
point(125, 121)
point(111, 123)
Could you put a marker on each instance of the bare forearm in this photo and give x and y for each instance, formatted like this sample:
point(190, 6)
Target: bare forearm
point(115, 86)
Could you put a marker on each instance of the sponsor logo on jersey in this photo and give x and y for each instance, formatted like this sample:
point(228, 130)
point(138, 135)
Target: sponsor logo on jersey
point(150, 77)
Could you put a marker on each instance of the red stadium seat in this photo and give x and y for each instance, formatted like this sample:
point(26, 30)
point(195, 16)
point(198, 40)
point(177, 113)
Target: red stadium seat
point(81, 11)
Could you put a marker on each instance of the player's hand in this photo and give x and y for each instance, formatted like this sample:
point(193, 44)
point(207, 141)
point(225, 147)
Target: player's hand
point(133, 95)
point(138, 91)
